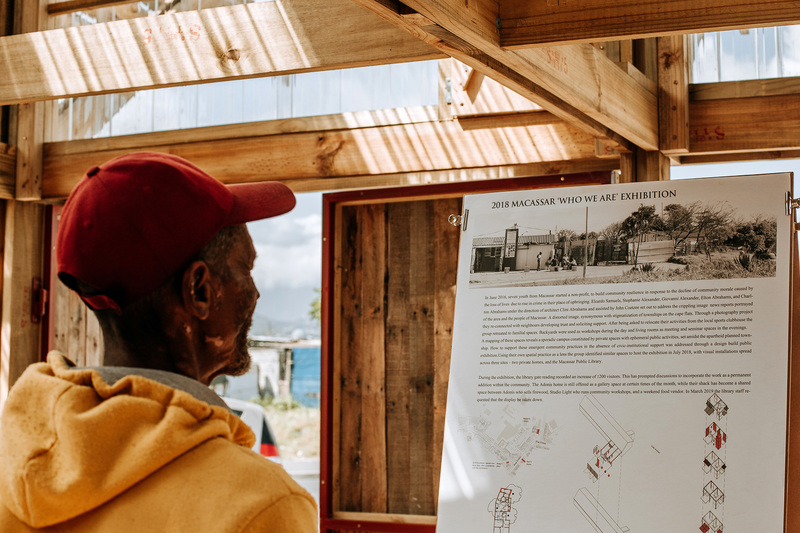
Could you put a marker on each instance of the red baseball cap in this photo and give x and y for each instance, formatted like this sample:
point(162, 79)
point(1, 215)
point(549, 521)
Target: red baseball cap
point(132, 222)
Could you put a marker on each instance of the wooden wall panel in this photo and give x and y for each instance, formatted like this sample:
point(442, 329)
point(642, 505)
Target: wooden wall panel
point(398, 265)
point(445, 242)
point(372, 360)
point(420, 263)
point(389, 282)
point(349, 467)
point(399, 423)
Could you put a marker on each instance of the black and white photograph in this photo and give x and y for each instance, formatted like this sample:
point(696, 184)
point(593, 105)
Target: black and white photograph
point(652, 236)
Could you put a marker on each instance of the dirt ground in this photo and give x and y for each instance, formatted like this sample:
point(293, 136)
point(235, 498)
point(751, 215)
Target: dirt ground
point(296, 429)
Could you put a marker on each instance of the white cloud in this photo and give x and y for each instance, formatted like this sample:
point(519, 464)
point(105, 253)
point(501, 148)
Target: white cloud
point(289, 252)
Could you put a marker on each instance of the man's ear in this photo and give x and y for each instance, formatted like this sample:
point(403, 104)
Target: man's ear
point(196, 289)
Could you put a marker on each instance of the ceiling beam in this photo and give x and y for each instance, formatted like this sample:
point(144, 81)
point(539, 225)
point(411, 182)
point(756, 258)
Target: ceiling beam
point(755, 124)
point(8, 168)
point(744, 89)
point(243, 41)
point(673, 94)
point(578, 83)
point(71, 6)
point(308, 155)
point(526, 23)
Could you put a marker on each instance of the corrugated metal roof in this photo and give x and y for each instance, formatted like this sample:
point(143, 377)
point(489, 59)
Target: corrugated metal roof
point(537, 239)
point(491, 242)
point(484, 242)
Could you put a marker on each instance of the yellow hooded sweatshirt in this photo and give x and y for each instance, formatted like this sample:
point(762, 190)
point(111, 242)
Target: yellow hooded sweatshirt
point(105, 449)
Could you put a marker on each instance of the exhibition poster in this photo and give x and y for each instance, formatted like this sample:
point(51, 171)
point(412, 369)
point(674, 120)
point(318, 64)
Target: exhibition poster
point(620, 359)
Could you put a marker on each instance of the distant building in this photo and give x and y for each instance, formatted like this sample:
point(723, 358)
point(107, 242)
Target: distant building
point(281, 369)
point(493, 254)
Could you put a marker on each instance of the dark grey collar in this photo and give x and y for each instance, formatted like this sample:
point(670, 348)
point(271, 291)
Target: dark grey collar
point(112, 374)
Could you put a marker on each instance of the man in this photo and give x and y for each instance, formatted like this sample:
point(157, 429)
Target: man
point(158, 249)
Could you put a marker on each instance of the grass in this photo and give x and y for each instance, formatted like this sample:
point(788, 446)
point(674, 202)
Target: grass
point(727, 264)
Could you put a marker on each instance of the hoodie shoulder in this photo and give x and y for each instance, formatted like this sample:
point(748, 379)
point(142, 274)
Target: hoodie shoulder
point(71, 441)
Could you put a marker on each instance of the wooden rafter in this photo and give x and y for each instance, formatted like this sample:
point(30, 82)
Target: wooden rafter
point(70, 6)
point(8, 165)
point(400, 147)
point(423, 150)
point(270, 38)
point(525, 23)
point(673, 95)
point(758, 124)
point(578, 82)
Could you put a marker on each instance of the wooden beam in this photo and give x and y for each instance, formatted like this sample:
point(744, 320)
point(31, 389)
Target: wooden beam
point(70, 6)
point(29, 143)
point(243, 41)
point(641, 165)
point(673, 95)
point(744, 89)
point(534, 23)
point(434, 177)
point(22, 261)
point(732, 157)
point(577, 83)
point(756, 124)
point(8, 168)
point(321, 156)
point(30, 17)
point(472, 93)
point(343, 121)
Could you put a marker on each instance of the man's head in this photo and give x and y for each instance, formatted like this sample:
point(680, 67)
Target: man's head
point(158, 249)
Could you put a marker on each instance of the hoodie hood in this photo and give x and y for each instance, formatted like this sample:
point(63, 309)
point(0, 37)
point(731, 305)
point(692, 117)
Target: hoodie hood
point(73, 438)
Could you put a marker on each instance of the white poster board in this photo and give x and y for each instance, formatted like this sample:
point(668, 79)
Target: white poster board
point(633, 393)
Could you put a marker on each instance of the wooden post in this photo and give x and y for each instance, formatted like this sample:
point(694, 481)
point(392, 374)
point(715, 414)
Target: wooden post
point(24, 225)
point(6, 28)
point(22, 262)
point(645, 57)
point(673, 95)
point(643, 165)
point(30, 16)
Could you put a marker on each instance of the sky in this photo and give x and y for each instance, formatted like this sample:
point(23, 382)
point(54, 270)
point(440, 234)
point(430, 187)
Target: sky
point(288, 268)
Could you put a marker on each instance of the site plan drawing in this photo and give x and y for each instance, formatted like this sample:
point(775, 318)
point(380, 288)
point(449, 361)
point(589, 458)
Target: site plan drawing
point(509, 436)
point(619, 354)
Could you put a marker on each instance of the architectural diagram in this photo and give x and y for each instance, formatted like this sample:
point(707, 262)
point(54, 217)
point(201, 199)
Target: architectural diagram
point(509, 436)
point(596, 514)
point(714, 404)
point(711, 524)
point(714, 465)
point(502, 508)
point(713, 494)
point(715, 435)
point(614, 443)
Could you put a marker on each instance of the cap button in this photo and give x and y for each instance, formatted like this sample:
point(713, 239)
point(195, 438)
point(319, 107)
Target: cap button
point(93, 171)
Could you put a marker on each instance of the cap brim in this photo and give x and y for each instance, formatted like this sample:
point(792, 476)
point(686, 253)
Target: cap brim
point(256, 201)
